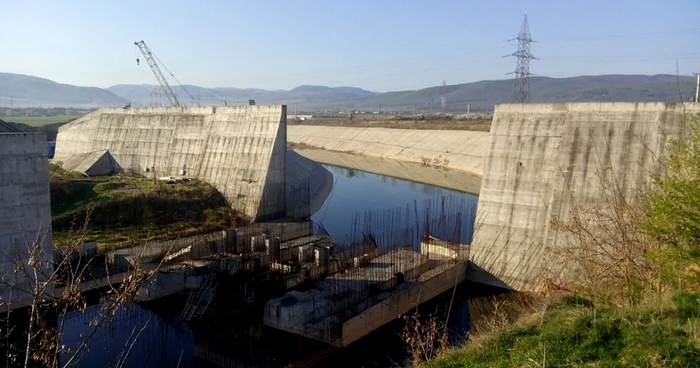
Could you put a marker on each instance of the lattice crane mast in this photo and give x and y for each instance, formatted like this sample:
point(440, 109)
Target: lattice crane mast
point(148, 55)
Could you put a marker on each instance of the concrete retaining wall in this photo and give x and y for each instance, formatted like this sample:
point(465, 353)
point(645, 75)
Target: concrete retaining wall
point(541, 158)
point(454, 149)
point(25, 212)
point(442, 177)
point(238, 149)
point(308, 185)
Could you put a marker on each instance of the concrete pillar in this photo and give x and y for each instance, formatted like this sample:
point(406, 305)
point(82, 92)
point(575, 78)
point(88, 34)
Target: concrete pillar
point(274, 248)
point(231, 238)
point(257, 243)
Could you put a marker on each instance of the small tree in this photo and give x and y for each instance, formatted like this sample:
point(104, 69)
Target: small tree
point(672, 210)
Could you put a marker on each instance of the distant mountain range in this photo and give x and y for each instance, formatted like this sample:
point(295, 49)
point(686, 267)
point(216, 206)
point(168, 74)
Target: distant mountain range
point(23, 90)
point(302, 95)
point(20, 90)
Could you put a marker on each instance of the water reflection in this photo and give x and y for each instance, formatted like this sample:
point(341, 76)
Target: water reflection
point(133, 337)
point(357, 192)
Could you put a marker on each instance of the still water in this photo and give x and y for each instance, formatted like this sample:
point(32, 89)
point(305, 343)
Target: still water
point(359, 194)
point(165, 341)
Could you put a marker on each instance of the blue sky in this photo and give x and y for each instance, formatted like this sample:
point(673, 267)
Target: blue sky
point(380, 45)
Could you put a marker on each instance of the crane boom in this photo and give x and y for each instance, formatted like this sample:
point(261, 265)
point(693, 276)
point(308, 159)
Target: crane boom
point(159, 75)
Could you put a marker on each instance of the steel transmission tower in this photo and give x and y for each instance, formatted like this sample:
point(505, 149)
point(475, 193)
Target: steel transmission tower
point(522, 73)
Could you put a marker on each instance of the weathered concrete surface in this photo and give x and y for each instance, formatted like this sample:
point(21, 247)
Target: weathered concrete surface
point(238, 149)
point(92, 163)
point(544, 157)
point(25, 213)
point(462, 150)
point(439, 176)
point(308, 185)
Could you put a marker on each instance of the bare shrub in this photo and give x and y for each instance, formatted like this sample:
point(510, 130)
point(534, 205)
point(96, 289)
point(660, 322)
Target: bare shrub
point(425, 339)
point(604, 251)
point(42, 291)
point(623, 248)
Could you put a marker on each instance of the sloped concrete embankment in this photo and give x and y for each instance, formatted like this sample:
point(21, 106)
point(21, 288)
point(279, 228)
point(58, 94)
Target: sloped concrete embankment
point(240, 150)
point(308, 185)
point(444, 149)
point(542, 158)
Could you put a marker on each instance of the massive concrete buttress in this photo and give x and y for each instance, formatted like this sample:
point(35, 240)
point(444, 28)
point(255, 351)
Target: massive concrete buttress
point(238, 149)
point(544, 157)
point(25, 215)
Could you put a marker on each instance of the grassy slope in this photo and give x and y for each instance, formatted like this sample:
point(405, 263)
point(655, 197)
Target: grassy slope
point(124, 211)
point(575, 333)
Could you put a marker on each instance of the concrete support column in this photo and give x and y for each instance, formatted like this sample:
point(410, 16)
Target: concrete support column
point(231, 237)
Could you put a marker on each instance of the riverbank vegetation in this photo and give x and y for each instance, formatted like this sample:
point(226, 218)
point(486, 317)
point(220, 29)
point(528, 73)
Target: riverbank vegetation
point(631, 292)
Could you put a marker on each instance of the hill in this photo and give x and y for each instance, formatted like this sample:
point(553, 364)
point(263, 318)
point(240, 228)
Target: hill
point(481, 94)
point(21, 90)
point(478, 95)
point(33, 91)
point(303, 95)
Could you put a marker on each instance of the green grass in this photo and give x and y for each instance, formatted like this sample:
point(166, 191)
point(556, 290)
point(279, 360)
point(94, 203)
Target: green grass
point(123, 211)
point(40, 120)
point(575, 334)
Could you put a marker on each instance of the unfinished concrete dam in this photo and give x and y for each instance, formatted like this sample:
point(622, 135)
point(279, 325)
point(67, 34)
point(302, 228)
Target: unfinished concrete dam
point(239, 150)
point(537, 160)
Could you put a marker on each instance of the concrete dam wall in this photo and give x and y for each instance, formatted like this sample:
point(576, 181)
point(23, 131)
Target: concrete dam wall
point(238, 149)
point(542, 158)
point(452, 149)
point(25, 214)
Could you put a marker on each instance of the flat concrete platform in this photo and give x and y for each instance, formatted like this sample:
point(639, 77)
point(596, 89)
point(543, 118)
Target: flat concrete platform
point(348, 305)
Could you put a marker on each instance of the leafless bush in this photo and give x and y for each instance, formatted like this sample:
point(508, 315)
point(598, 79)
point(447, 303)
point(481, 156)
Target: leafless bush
point(425, 339)
point(604, 252)
point(37, 295)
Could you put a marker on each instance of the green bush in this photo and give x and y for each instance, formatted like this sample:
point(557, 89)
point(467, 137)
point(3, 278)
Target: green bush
point(672, 209)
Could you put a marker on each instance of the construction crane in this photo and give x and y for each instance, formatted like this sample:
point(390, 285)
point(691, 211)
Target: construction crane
point(151, 60)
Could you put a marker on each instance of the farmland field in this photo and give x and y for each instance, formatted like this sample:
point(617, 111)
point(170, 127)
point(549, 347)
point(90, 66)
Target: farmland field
point(39, 120)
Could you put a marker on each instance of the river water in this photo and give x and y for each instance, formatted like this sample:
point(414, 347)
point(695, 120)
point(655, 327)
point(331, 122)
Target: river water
point(165, 341)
